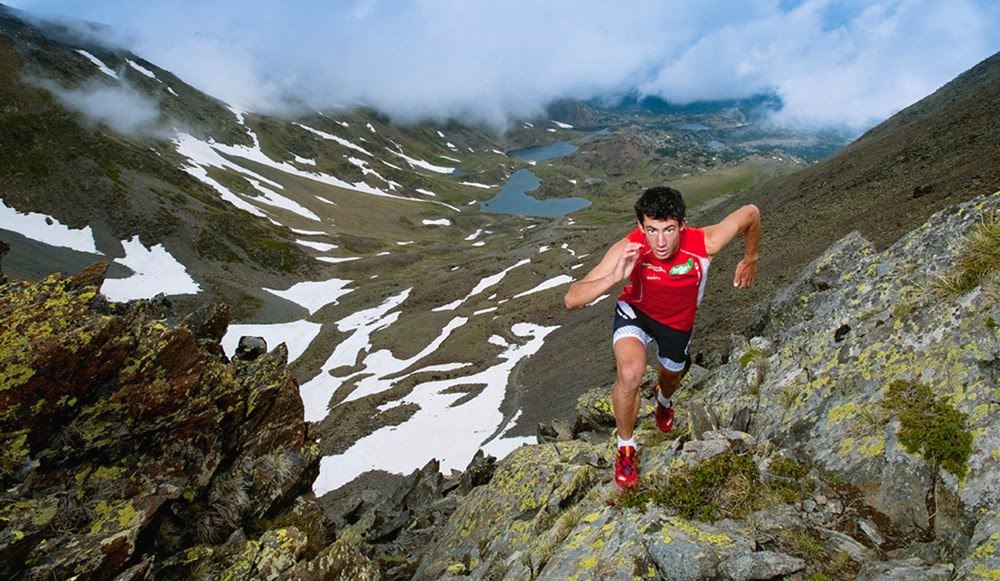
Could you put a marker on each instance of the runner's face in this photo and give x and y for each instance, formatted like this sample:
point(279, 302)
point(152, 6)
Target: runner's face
point(663, 236)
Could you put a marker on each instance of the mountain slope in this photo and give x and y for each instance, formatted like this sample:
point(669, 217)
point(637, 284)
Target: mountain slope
point(174, 178)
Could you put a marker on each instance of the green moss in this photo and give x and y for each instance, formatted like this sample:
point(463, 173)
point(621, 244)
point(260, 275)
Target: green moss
point(726, 484)
point(788, 468)
point(930, 426)
point(750, 356)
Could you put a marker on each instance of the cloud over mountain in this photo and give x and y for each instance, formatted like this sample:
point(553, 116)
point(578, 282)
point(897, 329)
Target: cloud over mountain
point(836, 62)
point(120, 107)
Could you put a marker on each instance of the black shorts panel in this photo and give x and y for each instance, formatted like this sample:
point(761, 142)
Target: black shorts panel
point(672, 345)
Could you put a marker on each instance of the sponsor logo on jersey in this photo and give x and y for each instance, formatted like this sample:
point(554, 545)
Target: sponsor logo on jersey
point(653, 267)
point(682, 268)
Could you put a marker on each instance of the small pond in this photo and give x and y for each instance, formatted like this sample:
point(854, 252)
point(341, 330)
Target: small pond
point(543, 152)
point(514, 199)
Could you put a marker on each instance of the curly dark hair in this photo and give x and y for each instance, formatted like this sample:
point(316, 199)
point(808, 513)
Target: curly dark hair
point(660, 203)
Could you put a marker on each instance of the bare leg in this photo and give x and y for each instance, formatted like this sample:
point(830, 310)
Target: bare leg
point(669, 381)
point(630, 358)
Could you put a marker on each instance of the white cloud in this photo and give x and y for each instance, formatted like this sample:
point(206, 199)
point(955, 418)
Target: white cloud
point(118, 106)
point(831, 61)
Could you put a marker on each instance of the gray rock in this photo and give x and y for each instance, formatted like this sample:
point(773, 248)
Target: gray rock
point(821, 276)
point(774, 519)
point(835, 506)
point(823, 389)
point(905, 570)
point(983, 557)
point(697, 451)
point(870, 531)
point(760, 565)
point(594, 412)
point(838, 542)
point(604, 544)
point(209, 321)
point(738, 441)
point(700, 419)
point(554, 431)
point(927, 552)
point(693, 550)
point(250, 348)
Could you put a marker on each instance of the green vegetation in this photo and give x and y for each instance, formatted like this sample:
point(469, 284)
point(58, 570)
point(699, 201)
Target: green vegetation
point(725, 485)
point(930, 426)
point(751, 355)
point(701, 188)
point(789, 485)
point(823, 565)
point(977, 262)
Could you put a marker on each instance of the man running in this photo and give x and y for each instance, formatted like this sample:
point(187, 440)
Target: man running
point(667, 262)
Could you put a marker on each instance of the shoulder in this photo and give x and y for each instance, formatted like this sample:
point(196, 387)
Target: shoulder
point(635, 235)
point(693, 240)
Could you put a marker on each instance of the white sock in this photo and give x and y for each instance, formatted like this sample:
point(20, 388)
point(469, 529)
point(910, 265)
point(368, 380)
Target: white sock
point(629, 442)
point(665, 401)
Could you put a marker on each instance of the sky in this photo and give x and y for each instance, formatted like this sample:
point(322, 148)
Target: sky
point(839, 63)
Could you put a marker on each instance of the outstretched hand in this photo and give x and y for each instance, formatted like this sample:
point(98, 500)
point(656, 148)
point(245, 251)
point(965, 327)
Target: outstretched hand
point(626, 262)
point(746, 272)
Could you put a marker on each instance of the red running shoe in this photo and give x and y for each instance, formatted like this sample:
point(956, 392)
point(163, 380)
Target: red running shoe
point(626, 467)
point(664, 417)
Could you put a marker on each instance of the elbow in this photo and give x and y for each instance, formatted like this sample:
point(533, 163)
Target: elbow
point(751, 221)
point(570, 302)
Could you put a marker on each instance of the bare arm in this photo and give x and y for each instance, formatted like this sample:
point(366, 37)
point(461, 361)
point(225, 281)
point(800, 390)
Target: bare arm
point(616, 266)
point(745, 221)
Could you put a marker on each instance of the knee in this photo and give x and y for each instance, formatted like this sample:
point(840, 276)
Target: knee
point(630, 376)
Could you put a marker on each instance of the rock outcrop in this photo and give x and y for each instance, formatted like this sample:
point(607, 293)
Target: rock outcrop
point(131, 446)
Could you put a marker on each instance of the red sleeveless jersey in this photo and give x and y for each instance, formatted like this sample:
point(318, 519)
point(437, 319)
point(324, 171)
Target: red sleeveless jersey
point(669, 290)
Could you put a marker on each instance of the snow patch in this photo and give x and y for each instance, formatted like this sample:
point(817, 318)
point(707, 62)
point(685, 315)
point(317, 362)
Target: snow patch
point(155, 271)
point(47, 229)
